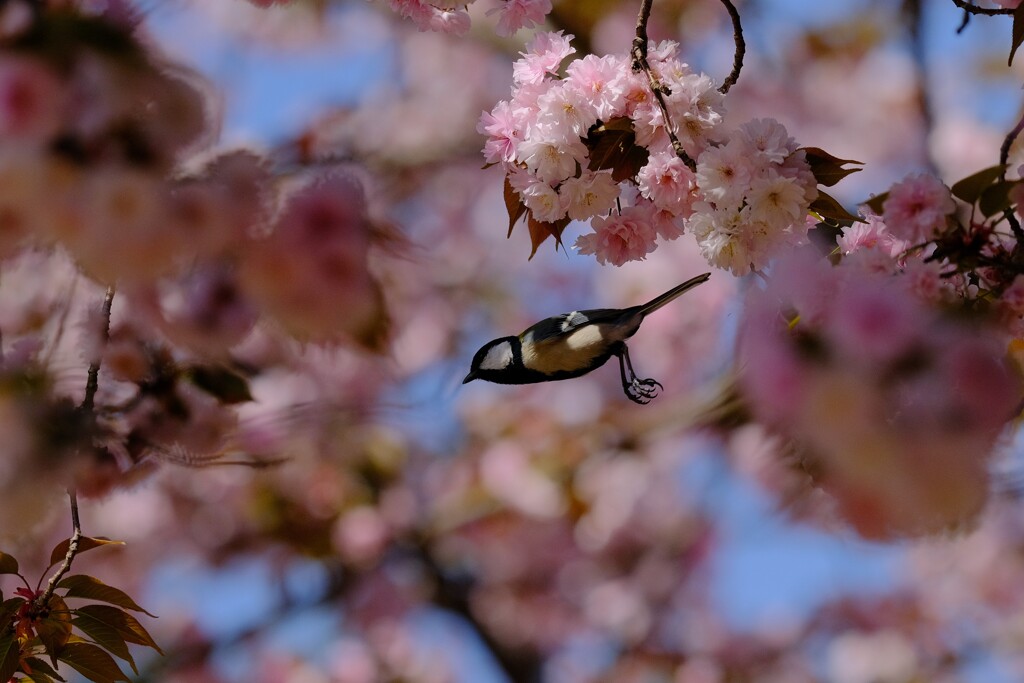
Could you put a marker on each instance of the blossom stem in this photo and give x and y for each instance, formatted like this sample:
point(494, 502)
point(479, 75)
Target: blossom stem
point(741, 47)
point(640, 63)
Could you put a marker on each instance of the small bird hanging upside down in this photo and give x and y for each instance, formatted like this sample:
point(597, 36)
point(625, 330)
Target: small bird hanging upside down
point(573, 344)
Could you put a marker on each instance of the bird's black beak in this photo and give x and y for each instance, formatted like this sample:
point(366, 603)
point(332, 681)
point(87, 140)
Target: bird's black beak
point(470, 377)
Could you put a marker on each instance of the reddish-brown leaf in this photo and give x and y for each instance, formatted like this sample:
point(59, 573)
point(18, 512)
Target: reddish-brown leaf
point(971, 188)
point(85, 543)
point(10, 655)
point(514, 205)
point(827, 169)
point(127, 626)
point(41, 668)
point(876, 203)
point(93, 663)
point(7, 609)
point(613, 146)
point(540, 231)
point(55, 630)
point(105, 636)
point(8, 564)
point(91, 588)
point(829, 209)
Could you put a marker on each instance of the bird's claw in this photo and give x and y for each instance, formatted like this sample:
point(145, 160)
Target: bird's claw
point(642, 390)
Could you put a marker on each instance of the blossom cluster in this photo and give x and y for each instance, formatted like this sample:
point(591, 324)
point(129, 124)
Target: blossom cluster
point(98, 148)
point(593, 145)
point(894, 406)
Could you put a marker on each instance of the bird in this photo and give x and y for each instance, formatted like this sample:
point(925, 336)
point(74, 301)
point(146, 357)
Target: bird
point(573, 344)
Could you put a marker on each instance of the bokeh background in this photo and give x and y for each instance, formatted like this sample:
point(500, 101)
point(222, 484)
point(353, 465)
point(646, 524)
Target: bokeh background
point(423, 531)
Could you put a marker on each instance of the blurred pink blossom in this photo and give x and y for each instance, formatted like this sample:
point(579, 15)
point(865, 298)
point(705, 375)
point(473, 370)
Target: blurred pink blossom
point(917, 207)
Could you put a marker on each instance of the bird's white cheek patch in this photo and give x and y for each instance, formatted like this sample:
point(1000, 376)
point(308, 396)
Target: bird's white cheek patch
point(498, 357)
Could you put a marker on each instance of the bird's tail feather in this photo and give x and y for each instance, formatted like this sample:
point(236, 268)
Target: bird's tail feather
point(659, 301)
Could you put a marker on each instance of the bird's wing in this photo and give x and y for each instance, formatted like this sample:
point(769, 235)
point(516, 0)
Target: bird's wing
point(567, 323)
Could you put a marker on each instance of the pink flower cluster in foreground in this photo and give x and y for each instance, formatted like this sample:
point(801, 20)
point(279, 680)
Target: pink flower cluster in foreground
point(97, 155)
point(746, 200)
point(894, 406)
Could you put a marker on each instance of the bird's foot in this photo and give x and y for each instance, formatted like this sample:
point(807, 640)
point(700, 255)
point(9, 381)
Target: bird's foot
point(642, 390)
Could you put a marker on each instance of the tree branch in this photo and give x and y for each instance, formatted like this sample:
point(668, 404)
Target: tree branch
point(971, 8)
point(92, 383)
point(640, 63)
point(91, 386)
point(1004, 157)
point(69, 557)
point(741, 47)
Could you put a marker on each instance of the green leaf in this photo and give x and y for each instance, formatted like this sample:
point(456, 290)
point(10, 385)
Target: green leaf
point(613, 146)
point(126, 626)
point(55, 630)
point(1018, 32)
point(85, 543)
point(829, 209)
point(38, 677)
point(91, 588)
point(996, 198)
point(105, 636)
point(40, 666)
point(10, 655)
point(970, 188)
point(93, 663)
point(8, 565)
point(876, 203)
point(827, 169)
point(224, 384)
point(514, 205)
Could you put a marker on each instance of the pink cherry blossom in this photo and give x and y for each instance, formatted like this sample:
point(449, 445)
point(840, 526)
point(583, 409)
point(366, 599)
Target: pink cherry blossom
point(667, 181)
point(453, 21)
point(619, 238)
point(544, 55)
point(776, 200)
point(589, 195)
point(516, 14)
point(769, 138)
point(552, 160)
point(31, 99)
point(917, 207)
point(724, 173)
point(543, 201)
point(502, 127)
point(601, 80)
point(311, 273)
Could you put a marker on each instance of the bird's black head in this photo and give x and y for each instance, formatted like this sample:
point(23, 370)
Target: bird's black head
point(495, 361)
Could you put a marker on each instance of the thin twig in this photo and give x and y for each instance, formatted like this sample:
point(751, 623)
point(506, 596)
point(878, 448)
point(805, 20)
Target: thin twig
point(640, 63)
point(92, 383)
point(741, 47)
point(963, 23)
point(69, 556)
point(974, 9)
